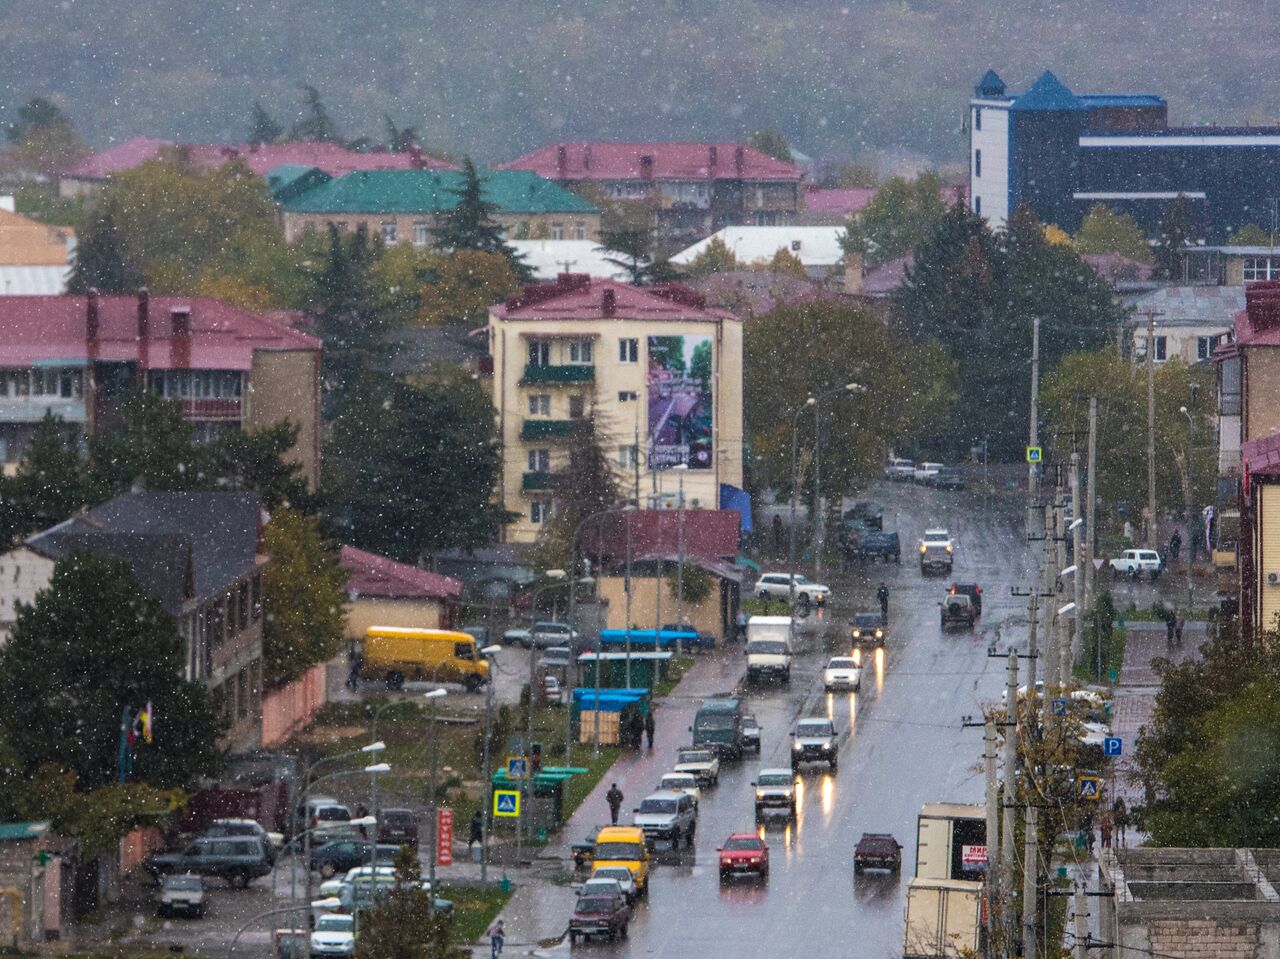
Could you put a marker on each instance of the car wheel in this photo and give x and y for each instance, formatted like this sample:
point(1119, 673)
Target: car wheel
point(395, 680)
point(857, 868)
point(573, 938)
point(764, 874)
point(764, 594)
point(834, 764)
point(675, 839)
point(688, 839)
point(473, 684)
point(623, 932)
point(724, 876)
point(239, 879)
point(612, 934)
point(165, 912)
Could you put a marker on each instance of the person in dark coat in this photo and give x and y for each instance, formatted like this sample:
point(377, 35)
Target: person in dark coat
point(648, 726)
point(1175, 546)
point(1179, 622)
point(614, 798)
point(477, 830)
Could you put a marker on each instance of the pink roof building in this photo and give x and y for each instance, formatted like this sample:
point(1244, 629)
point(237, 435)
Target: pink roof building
point(834, 206)
point(371, 575)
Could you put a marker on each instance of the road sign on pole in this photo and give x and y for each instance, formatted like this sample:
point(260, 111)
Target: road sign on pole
point(1034, 454)
point(1089, 787)
point(506, 803)
point(444, 837)
point(1059, 707)
point(1097, 563)
point(517, 767)
point(1112, 746)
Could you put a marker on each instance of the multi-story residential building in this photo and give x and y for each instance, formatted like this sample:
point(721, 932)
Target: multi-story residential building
point(78, 356)
point(692, 189)
point(1060, 153)
point(199, 554)
point(35, 258)
point(404, 206)
point(1189, 322)
point(88, 175)
point(659, 372)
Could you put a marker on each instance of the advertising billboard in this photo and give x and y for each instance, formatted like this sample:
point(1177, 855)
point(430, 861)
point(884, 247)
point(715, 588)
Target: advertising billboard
point(681, 403)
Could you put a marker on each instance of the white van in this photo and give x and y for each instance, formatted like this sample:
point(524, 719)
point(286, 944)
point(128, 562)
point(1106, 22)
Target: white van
point(769, 651)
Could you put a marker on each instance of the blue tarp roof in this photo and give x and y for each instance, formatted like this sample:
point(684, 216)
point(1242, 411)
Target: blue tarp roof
point(646, 637)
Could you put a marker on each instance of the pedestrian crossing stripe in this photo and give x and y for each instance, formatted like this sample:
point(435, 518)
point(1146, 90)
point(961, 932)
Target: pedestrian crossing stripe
point(506, 802)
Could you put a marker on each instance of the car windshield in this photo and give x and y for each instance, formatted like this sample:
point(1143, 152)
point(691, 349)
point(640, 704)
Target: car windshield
point(333, 814)
point(334, 924)
point(749, 722)
point(183, 883)
point(768, 647)
point(842, 664)
point(774, 779)
point(737, 845)
point(814, 729)
point(714, 721)
point(551, 627)
point(625, 851)
point(694, 756)
point(596, 904)
point(615, 873)
point(866, 620)
point(658, 806)
point(678, 782)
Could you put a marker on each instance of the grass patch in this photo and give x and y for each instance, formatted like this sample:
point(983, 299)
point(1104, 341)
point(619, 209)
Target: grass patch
point(675, 672)
point(1112, 657)
point(579, 787)
point(474, 909)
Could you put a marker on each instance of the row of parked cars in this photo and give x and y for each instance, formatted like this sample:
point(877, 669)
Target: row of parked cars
point(937, 475)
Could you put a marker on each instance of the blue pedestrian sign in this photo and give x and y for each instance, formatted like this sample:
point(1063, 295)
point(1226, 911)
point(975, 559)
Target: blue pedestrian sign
point(1059, 707)
point(1034, 454)
point(1089, 787)
point(506, 802)
point(517, 767)
point(1112, 745)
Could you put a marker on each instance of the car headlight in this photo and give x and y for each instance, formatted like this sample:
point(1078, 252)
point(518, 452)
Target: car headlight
point(879, 633)
point(759, 794)
point(922, 548)
point(796, 746)
point(948, 547)
point(857, 633)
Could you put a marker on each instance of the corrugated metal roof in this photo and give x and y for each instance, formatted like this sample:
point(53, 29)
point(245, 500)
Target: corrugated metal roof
point(815, 246)
point(34, 280)
point(14, 831)
point(1199, 305)
point(435, 191)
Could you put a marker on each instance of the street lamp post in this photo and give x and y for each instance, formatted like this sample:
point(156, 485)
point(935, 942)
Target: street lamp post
point(488, 652)
point(820, 517)
point(373, 772)
point(1191, 425)
point(434, 696)
point(682, 468)
point(331, 902)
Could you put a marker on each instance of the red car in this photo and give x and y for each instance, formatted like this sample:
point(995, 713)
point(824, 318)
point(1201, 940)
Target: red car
point(744, 853)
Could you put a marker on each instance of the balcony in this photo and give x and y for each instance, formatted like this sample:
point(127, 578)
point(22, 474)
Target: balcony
point(536, 482)
point(548, 429)
point(568, 373)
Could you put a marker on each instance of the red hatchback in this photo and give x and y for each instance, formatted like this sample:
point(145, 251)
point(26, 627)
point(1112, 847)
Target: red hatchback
point(744, 853)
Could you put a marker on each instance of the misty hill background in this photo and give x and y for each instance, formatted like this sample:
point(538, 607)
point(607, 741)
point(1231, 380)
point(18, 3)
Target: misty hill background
point(857, 79)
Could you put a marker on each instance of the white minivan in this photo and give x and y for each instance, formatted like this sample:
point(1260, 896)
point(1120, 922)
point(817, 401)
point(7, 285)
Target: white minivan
point(769, 648)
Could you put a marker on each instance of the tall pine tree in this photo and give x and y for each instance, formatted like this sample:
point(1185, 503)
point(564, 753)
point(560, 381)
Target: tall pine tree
point(470, 224)
point(1177, 230)
point(262, 127)
point(314, 124)
point(100, 261)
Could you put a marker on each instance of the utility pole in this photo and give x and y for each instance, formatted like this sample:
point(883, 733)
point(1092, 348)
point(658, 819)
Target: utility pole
point(1009, 797)
point(1081, 920)
point(1091, 495)
point(993, 823)
point(1082, 563)
point(1033, 487)
point(819, 514)
point(1151, 429)
point(1030, 875)
point(1052, 645)
point(679, 570)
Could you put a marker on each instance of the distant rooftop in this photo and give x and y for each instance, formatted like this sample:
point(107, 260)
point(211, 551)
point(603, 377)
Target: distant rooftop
point(1050, 93)
point(576, 296)
point(653, 161)
point(814, 246)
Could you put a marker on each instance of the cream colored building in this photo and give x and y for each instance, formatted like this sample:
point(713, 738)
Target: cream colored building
point(643, 361)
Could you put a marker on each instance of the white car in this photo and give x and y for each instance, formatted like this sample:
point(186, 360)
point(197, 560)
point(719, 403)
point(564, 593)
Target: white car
point(1135, 562)
point(702, 764)
point(926, 472)
point(778, 586)
point(517, 636)
point(936, 550)
point(841, 672)
point(617, 874)
point(334, 935)
point(682, 782)
point(900, 470)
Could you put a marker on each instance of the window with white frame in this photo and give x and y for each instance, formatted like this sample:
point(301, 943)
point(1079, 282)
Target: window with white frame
point(539, 353)
point(627, 456)
point(579, 230)
point(977, 118)
point(539, 461)
point(580, 351)
point(539, 511)
point(1261, 268)
point(557, 230)
point(1162, 353)
point(389, 232)
point(421, 234)
point(629, 350)
point(539, 404)
point(977, 163)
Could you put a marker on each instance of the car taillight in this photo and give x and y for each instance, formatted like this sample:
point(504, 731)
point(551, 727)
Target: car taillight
point(948, 547)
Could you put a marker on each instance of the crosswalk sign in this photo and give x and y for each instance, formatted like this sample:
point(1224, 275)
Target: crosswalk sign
point(1059, 707)
point(1034, 454)
point(506, 802)
point(1089, 787)
point(517, 767)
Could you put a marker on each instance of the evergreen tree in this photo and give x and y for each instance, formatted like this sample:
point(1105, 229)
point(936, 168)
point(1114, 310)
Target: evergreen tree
point(400, 139)
point(314, 124)
point(100, 261)
point(403, 925)
point(37, 114)
point(93, 643)
point(901, 215)
point(1177, 231)
point(154, 444)
point(42, 138)
point(262, 127)
point(49, 485)
point(771, 142)
point(716, 257)
point(470, 224)
point(585, 486)
point(1104, 230)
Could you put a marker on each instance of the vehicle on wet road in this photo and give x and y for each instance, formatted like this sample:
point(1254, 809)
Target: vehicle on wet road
point(620, 876)
point(606, 916)
point(744, 854)
point(778, 586)
point(874, 544)
point(957, 613)
point(667, 817)
point(775, 793)
point(924, 473)
point(624, 846)
point(900, 470)
point(936, 551)
point(718, 726)
point(750, 734)
point(334, 935)
point(973, 591)
point(814, 741)
point(841, 672)
point(769, 654)
point(877, 850)
point(702, 763)
point(948, 478)
point(343, 855)
point(1135, 562)
point(181, 896)
point(868, 629)
point(682, 782)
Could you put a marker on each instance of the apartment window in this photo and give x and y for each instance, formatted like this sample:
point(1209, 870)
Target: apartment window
point(421, 234)
point(628, 351)
point(539, 353)
point(539, 461)
point(627, 396)
point(579, 351)
point(577, 406)
point(1161, 349)
point(977, 163)
point(627, 456)
point(1205, 346)
point(557, 231)
point(389, 234)
point(539, 511)
point(540, 404)
point(255, 597)
point(579, 230)
point(977, 118)
point(977, 205)
point(1261, 268)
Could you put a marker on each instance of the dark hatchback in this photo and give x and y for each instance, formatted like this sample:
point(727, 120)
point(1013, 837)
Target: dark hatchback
point(599, 916)
point(948, 478)
point(343, 855)
point(398, 827)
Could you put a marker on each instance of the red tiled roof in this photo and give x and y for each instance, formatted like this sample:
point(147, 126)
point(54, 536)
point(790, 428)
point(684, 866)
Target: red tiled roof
point(1259, 323)
point(887, 277)
point(841, 202)
point(223, 337)
point(1261, 457)
point(578, 296)
point(1113, 266)
point(708, 534)
point(667, 161)
point(332, 158)
point(373, 575)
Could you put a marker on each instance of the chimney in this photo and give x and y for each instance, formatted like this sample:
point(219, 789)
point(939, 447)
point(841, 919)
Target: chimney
point(739, 159)
point(92, 323)
point(646, 166)
point(586, 157)
point(608, 302)
point(6, 203)
point(144, 313)
point(180, 320)
point(711, 159)
point(1262, 300)
point(415, 157)
point(853, 267)
point(562, 160)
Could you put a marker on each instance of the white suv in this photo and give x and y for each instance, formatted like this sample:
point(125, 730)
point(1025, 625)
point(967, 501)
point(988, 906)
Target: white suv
point(925, 473)
point(936, 551)
point(669, 816)
point(1134, 562)
point(900, 470)
point(778, 586)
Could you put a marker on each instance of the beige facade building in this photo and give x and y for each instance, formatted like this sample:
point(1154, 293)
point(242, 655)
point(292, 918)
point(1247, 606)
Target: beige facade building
point(660, 372)
point(382, 592)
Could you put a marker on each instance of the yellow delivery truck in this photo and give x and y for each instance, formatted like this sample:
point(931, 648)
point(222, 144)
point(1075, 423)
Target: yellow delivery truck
point(396, 653)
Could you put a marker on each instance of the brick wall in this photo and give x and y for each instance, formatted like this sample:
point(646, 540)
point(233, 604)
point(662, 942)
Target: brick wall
point(291, 708)
point(137, 845)
point(1204, 938)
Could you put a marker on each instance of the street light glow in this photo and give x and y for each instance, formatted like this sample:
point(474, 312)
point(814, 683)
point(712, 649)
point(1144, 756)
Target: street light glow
point(363, 821)
point(1069, 570)
point(332, 902)
point(1066, 609)
point(378, 768)
point(491, 650)
point(435, 693)
point(554, 574)
point(377, 747)
point(1074, 523)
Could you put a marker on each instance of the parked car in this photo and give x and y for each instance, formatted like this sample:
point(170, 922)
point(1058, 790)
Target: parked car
point(876, 544)
point(601, 886)
point(334, 935)
point(516, 636)
point(877, 850)
point(346, 854)
point(841, 672)
point(556, 657)
point(1135, 562)
point(669, 817)
point(948, 478)
point(482, 635)
point(246, 827)
point(326, 818)
point(957, 611)
point(399, 827)
point(814, 740)
point(546, 634)
point(617, 874)
point(606, 916)
point(236, 859)
point(924, 473)
point(900, 470)
point(775, 793)
point(870, 513)
point(868, 628)
point(973, 591)
point(181, 895)
point(778, 586)
point(744, 853)
point(750, 734)
point(702, 763)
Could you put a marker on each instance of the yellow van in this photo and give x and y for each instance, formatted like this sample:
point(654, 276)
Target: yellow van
point(396, 653)
point(624, 846)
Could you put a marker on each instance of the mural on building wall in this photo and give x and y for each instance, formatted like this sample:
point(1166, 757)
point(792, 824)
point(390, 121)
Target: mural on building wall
point(681, 403)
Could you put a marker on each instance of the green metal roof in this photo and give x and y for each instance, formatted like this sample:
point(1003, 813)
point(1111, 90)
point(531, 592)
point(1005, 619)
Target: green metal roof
point(547, 776)
point(433, 191)
point(292, 180)
point(14, 831)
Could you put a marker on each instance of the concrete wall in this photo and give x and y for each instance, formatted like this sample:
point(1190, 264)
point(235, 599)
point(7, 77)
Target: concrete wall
point(285, 385)
point(573, 226)
point(1261, 388)
point(378, 611)
point(23, 573)
point(704, 617)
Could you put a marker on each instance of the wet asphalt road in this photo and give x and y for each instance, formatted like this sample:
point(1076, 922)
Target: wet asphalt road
point(902, 745)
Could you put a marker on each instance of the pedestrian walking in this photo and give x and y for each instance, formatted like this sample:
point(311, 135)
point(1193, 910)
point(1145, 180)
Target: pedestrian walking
point(648, 726)
point(1105, 829)
point(1177, 631)
point(1175, 546)
point(777, 532)
point(476, 835)
point(614, 798)
point(1121, 814)
point(1128, 531)
point(1169, 620)
point(353, 667)
point(882, 594)
point(741, 634)
point(497, 934)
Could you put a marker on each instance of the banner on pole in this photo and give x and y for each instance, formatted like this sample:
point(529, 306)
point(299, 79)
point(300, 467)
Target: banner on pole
point(444, 837)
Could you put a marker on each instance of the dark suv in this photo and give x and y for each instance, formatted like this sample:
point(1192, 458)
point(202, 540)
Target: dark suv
point(973, 591)
point(342, 855)
point(237, 859)
point(958, 611)
point(398, 826)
